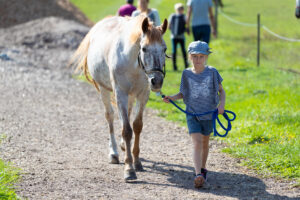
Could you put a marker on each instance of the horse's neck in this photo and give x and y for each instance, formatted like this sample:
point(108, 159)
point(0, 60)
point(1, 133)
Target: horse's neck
point(133, 52)
point(131, 49)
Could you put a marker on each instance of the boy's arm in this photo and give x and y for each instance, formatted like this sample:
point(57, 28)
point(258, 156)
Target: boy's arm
point(189, 14)
point(176, 96)
point(173, 98)
point(170, 22)
point(221, 106)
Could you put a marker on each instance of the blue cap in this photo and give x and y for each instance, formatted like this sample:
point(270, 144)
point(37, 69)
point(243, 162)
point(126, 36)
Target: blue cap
point(199, 47)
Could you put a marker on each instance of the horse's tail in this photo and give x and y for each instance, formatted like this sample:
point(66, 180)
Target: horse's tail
point(79, 59)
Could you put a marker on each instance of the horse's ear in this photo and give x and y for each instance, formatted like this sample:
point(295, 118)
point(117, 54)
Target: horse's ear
point(164, 26)
point(145, 25)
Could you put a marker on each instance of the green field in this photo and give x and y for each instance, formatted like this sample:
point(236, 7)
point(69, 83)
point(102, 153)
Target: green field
point(266, 133)
point(8, 176)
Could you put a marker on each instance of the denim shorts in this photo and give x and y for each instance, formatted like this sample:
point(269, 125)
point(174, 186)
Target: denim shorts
point(205, 127)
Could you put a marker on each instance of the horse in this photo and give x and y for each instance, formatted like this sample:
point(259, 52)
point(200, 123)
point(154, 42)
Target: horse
point(124, 56)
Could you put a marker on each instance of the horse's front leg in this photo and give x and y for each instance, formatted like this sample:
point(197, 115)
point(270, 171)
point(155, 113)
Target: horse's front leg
point(122, 102)
point(130, 104)
point(137, 128)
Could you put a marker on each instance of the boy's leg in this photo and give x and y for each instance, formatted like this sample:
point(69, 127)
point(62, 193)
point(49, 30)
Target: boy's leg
point(174, 50)
point(200, 151)
point(182, 44)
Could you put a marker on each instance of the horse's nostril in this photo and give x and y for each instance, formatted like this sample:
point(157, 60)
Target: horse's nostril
point(153, 81)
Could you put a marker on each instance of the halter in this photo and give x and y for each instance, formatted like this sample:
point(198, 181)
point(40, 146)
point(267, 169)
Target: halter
point(141, 64)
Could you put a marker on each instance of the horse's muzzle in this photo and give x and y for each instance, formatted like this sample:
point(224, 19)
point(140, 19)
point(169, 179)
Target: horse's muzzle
point(156, 83)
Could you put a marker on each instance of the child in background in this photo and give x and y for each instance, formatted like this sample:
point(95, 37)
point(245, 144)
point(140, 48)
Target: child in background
point(200, 90)
point(151, 13)
point(177, 23)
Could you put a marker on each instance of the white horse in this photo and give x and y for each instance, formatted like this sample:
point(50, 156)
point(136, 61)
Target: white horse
point(124, 56)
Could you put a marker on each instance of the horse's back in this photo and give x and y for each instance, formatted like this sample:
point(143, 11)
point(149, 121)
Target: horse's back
point(107, 48)
point(103, 37)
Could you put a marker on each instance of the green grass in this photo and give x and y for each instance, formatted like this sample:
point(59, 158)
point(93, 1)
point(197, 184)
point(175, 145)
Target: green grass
point(266, 133)
point(96, 10)
point(8, 176)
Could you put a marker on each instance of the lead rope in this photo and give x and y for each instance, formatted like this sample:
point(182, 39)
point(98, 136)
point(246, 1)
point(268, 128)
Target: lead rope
point(214, 118)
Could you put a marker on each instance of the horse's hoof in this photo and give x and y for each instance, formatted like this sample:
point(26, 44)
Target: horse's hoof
point(114, 159)
point(138, 167)
point(129, 175)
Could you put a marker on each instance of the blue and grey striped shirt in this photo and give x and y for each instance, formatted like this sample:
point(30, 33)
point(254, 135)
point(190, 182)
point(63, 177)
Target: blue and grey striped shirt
point(200, 91)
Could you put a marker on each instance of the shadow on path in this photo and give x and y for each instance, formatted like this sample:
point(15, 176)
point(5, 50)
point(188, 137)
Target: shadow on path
point(239, 186)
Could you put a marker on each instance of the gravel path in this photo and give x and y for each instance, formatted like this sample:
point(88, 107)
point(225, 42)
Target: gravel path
point(57, 133)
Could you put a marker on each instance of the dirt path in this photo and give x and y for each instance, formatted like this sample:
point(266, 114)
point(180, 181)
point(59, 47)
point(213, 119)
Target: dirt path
point(57, 134)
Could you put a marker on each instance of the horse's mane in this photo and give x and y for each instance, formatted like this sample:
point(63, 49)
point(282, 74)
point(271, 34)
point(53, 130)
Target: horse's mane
point(153, 34)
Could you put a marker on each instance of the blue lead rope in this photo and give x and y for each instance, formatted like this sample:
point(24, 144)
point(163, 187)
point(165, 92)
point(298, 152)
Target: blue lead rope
point(214, 118)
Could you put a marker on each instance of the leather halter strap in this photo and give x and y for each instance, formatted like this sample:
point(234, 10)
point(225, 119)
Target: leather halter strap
point(141, 64)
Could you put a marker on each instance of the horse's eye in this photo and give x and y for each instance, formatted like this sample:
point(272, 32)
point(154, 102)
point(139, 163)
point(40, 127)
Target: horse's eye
point(144, 49)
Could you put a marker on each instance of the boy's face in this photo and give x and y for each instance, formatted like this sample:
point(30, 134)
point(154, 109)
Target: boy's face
point(198, 59)
point(180, 10)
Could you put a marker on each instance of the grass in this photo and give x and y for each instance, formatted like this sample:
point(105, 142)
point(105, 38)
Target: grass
point(8, 176)
point(266, 133)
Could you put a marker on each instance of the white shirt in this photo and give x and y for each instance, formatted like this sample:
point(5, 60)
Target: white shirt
point(153, 15)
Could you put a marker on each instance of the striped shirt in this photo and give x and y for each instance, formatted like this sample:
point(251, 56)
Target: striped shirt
point(200, 91)
point(177, 26)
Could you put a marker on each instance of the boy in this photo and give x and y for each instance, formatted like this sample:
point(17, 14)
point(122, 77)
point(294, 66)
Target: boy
point(177, 23)
point(200, 90)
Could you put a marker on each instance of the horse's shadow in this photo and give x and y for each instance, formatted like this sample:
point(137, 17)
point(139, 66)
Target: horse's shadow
point(239, 186)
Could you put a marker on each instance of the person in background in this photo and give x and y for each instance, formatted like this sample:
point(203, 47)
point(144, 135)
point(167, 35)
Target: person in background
point(151, 13)
point(202, 19)
point(127, 9)
point(297, 12)
point(177, 23)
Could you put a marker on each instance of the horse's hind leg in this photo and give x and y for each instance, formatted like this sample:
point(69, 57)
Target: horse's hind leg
point(137, 128)
point(109, 115)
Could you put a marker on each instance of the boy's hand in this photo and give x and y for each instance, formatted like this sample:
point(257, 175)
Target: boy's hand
point(166, 99)
point(221, 110)
point(187, 30)
point(214, 33)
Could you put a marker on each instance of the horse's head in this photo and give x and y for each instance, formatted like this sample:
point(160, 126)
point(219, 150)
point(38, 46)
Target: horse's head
point(152, 53)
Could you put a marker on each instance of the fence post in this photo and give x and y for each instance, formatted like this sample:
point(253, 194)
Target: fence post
point(258, 39)
point(216, 16)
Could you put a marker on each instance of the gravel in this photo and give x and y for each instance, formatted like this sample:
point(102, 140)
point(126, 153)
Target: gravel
point(57, 134)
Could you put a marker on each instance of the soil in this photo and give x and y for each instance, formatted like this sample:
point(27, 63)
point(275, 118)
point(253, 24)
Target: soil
point(15, 12)
point(57, 134)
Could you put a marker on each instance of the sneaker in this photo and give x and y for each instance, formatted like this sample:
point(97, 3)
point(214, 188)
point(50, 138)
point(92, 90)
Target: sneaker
point(204, 173)
point(200, 179)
